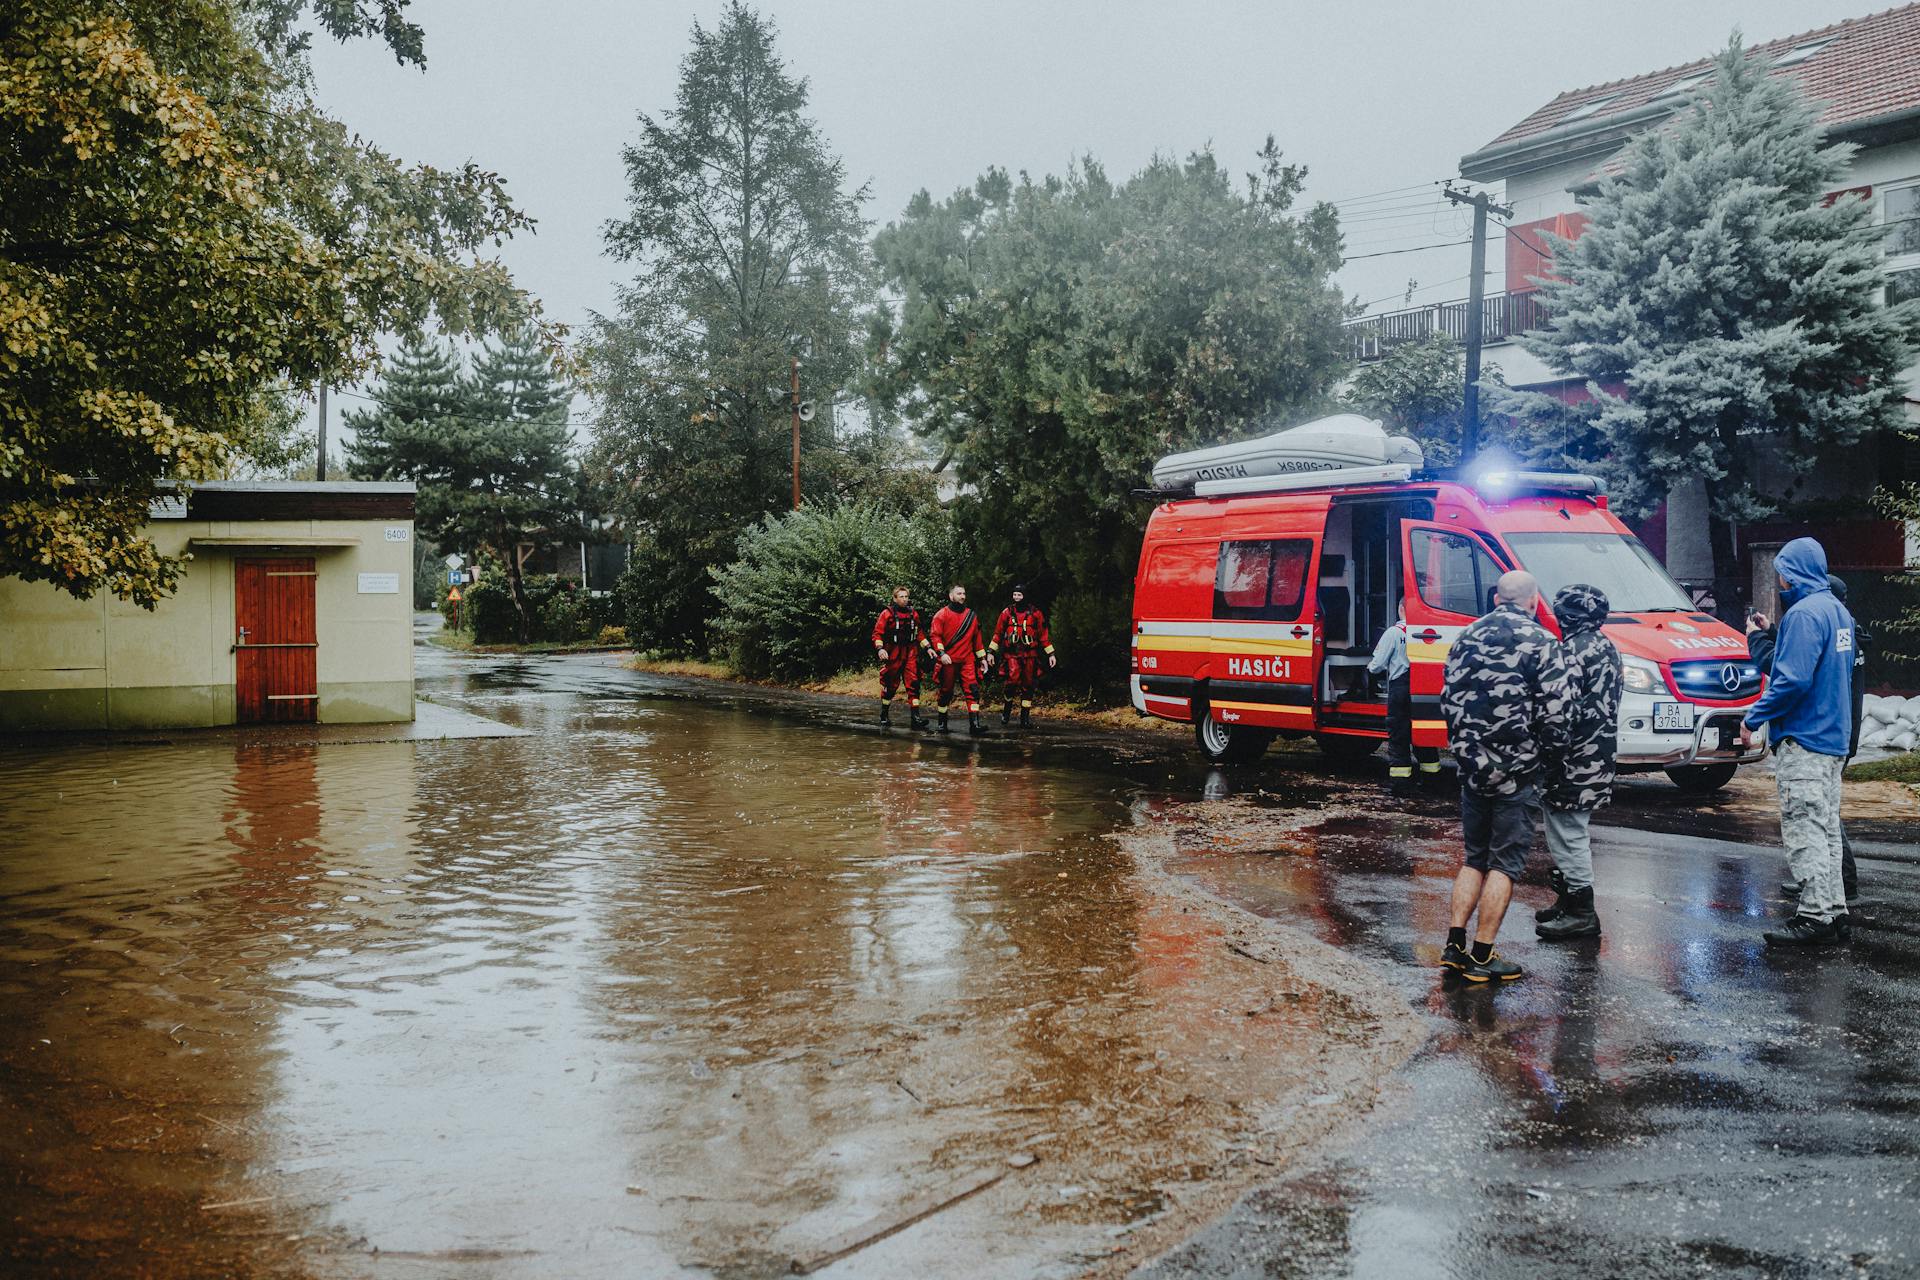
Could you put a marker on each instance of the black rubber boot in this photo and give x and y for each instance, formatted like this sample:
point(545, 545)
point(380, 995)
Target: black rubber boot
point(1006, 715)
point(974, 726)
point(1559, 907)
point(1575, 919)
point(1026, 717)
point(886, 715)
point(943, 720)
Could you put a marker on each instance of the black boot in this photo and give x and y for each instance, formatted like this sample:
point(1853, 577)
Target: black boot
point(943, 720)
point(1575, 919)
point(917, 720)
point(1559, 907)
point(974, 726)
point(1804, 931)
point(886, 715)
point(1026, 717)
point(1006, 715)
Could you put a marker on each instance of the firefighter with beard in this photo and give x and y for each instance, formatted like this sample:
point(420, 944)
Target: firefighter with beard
point(1020, 638)
point(899, 638)
point(959, 654)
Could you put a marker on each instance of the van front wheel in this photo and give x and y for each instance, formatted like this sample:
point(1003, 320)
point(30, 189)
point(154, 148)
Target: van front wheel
point(1229, 743)
point(1701, 779)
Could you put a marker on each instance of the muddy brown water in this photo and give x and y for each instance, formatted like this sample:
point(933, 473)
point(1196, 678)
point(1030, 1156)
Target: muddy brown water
point(661, 989)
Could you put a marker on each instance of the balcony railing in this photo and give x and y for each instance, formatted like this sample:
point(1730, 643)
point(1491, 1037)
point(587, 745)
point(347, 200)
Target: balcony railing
point(1502, 317)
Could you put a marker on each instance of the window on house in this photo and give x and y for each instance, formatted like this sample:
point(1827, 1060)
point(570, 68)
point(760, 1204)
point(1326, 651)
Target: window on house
point(1801, 52)
point(1586, 109)
point(1900, 214)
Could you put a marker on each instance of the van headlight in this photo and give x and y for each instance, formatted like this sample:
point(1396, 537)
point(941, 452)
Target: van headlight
point(1638, 675)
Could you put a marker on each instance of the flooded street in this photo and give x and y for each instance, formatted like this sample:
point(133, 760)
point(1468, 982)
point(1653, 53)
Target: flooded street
point(665, 987)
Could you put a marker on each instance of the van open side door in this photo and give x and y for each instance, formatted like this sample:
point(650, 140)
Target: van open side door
point(1447, 576)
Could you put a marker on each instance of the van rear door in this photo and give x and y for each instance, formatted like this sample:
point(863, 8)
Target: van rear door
point(1266, 638)
point(1447, 582)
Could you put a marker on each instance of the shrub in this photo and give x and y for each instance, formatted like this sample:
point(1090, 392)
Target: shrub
point(799, 600)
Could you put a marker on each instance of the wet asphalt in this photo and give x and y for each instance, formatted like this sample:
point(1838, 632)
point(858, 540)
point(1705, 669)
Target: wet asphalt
point(1668, 1100)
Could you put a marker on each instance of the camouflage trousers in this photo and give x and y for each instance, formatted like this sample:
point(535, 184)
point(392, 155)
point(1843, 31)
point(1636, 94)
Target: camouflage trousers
point(1810, 826)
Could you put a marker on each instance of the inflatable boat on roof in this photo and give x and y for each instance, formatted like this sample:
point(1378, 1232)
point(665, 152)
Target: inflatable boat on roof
point(1343, 442)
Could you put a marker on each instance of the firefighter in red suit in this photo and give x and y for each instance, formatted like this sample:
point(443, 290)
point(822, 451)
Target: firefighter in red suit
point(898, 637)
point(959, 653)
point(1020, 640)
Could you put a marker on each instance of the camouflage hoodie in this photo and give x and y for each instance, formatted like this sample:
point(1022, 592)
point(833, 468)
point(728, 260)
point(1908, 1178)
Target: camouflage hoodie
point(1581, 776)
point(1505, 701)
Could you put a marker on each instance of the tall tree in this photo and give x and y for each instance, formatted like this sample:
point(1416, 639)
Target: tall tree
point(1058, 336)
point(748, 250)
point(183, 237)
point(1734, 299)
point(491, 463)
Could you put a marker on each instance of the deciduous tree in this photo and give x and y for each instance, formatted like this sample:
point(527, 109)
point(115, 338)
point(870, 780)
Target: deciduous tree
point(184, 237)
point(1059, 335)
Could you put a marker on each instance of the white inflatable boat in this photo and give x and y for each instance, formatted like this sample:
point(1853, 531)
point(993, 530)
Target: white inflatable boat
point(1342, 442)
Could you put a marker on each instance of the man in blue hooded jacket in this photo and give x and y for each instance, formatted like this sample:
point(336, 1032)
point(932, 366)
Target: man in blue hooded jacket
point(1808, 712)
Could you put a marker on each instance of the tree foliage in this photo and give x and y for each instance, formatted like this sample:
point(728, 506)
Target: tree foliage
point(489, 451)
point(1060, 335)
point(1418, 389)
point(747, 246)
point(185, 238)
point(800, 599)
point(1734, 301)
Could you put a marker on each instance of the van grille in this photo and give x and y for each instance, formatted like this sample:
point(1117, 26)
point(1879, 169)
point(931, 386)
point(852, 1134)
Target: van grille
point(1721, 681)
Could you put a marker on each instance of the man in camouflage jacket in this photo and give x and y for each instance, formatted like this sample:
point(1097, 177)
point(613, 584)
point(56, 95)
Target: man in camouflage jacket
point(1579, 778)
point(1505, 700)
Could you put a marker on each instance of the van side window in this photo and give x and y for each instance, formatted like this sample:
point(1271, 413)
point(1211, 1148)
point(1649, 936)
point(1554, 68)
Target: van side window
point(1453, 573)
point(1263, 581)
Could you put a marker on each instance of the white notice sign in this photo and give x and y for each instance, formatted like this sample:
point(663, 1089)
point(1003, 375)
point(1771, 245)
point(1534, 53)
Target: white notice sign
point(396, 533)
point(379, 584)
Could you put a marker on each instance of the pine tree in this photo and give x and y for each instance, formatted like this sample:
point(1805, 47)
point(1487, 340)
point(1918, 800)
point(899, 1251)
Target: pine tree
point(1736, 303)
point(421, 384)
point(491, 463)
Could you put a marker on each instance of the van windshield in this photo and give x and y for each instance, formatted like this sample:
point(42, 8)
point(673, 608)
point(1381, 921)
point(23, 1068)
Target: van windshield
point(1614, 562)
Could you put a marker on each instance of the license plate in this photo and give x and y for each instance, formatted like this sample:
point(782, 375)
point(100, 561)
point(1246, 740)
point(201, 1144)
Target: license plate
point(1673, 717)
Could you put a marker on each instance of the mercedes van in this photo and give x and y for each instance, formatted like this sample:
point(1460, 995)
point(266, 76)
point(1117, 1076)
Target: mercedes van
point(1271, 568)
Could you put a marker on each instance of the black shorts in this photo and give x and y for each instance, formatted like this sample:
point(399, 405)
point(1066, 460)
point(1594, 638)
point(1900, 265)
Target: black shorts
point(1498, 830)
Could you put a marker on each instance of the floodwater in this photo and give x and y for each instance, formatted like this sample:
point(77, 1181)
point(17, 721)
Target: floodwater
point(663, 988)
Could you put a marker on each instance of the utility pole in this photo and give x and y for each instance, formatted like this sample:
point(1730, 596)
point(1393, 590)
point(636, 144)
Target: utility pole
point(1476, 308)
point(796, 433)
point(320, 462)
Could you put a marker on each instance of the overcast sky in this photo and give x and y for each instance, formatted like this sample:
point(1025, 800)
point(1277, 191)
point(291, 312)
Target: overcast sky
point(1371, 98)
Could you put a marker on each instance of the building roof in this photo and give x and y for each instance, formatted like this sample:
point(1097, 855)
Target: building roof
point(1859, 71)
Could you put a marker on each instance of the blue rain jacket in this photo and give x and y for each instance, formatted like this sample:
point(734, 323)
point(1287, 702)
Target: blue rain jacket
point(1809, 697)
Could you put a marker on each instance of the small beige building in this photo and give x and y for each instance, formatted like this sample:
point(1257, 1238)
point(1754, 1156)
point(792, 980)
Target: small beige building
point(297, 605)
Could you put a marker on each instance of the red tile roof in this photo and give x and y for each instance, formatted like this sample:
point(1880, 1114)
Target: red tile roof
point(1869, 67)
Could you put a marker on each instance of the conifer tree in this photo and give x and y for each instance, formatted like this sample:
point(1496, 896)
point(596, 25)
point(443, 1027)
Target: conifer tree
point(1736, 301)
point(492, 463)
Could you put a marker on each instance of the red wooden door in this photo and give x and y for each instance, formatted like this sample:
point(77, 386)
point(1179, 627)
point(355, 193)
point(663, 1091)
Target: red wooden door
point(274, 678)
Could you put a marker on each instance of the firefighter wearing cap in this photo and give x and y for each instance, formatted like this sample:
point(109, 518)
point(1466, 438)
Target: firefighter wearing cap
point(959, 653)
point(1021, 639)
point(899, 638)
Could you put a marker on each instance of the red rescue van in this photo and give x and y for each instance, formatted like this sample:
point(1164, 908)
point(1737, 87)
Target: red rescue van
point(1259, 599)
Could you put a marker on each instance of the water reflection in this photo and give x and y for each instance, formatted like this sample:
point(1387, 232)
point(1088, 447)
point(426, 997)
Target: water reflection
point(662, 986)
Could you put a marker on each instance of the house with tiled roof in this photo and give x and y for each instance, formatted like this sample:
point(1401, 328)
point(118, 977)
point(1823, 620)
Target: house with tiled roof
point(1864, 76)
